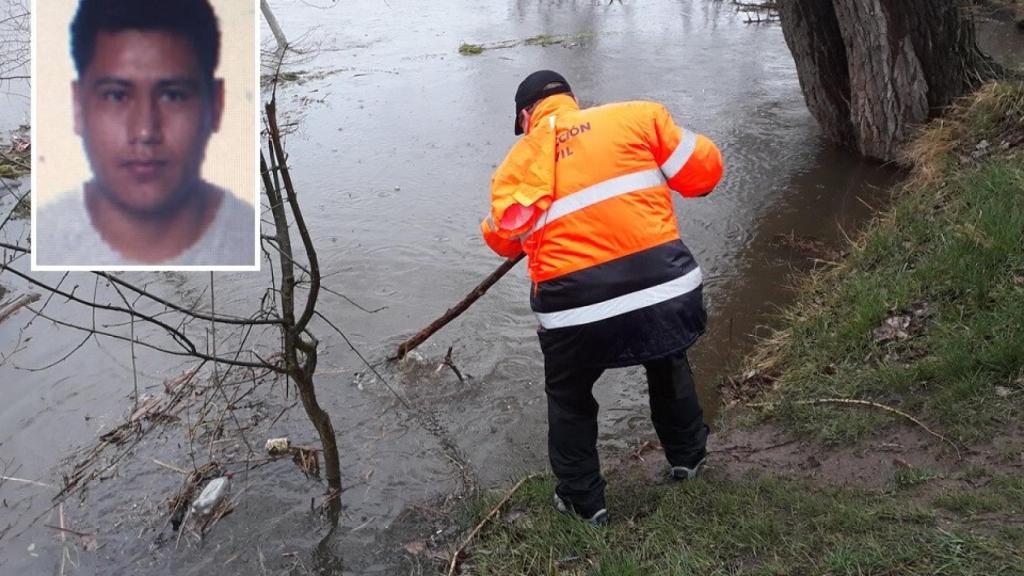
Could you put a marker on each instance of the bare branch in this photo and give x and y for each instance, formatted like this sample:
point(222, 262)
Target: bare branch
point(183, 310)
point(15, 207)
point(183, 353)
point(293, 202)
point(62, 358)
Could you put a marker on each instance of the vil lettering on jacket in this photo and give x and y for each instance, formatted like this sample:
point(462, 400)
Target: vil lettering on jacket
point(568, 134)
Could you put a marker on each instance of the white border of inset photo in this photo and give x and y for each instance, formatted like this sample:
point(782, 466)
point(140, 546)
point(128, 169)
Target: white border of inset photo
point(59, 162)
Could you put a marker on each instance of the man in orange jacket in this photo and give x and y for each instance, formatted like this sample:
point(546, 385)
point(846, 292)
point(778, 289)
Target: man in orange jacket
point(587, 195)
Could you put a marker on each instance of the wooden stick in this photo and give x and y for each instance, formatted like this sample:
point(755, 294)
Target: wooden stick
point(33, 482)
point(63, 528)
point(20, 302)
point(458, 551)
point(68, 530)
point(853, 401)
point(171, 467)
point(451, 364)
point(459, 308)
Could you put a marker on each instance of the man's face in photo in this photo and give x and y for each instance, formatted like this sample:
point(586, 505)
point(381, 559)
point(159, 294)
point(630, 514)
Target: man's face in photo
point(145, 112)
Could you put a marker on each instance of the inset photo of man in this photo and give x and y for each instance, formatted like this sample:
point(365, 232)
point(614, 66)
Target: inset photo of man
point(144, 135)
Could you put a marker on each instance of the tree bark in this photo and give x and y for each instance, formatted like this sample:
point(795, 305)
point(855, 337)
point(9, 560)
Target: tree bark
point(873, 70)
point(812, 34)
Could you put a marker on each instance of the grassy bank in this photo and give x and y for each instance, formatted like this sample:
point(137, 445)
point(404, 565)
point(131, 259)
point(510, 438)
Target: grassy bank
point(926, 316)
point(759, 525)
point(926, 313)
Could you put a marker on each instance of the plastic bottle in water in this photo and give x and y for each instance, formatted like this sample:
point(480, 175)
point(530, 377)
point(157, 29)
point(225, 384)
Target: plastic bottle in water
point(212, 494)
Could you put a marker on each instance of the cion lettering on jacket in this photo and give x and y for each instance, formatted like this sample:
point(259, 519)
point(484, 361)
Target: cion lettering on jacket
point(562, 145)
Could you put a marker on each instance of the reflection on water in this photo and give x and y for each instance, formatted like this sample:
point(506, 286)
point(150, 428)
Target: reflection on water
point(396, 140)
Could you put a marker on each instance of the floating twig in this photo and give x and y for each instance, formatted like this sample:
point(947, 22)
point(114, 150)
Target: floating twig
point(451, 364)
point(8, 309)
point(170, 467)
point(24, 481)
point(69, 531)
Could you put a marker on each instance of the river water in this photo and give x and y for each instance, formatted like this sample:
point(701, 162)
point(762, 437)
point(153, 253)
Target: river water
point(394, 138)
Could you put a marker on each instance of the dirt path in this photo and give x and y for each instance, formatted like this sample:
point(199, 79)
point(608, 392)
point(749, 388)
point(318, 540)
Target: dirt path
point(872, 465)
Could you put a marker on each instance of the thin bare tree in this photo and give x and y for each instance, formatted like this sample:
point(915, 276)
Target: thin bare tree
point(282, 308)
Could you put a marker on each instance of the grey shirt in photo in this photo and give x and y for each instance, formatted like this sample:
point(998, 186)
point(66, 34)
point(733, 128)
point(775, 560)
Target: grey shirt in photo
point(65, 236)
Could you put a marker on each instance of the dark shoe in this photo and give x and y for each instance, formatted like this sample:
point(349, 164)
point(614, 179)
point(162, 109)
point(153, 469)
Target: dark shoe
point(597, 519)
point(683, 473)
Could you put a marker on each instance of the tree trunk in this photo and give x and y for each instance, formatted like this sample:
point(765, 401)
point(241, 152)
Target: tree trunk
point(873, 70)
point(812, 34)
point(300, 352)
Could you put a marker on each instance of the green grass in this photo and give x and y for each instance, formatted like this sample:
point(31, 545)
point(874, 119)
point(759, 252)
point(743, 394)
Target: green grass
point(751, 526)
point(952, 243)
point(910, 477)
point(1003, 495)
point(470, 49)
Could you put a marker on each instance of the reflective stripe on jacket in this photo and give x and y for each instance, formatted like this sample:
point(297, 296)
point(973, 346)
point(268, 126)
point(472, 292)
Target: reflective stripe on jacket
point(586, 193)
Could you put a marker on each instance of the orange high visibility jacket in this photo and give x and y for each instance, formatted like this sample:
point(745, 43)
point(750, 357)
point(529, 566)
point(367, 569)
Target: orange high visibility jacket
point(587, 195)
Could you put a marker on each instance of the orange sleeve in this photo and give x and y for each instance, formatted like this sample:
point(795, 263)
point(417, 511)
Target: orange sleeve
point(691, 162)
point(507, 247)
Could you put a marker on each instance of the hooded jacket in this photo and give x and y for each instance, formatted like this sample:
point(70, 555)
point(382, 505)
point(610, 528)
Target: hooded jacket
point(586, 194)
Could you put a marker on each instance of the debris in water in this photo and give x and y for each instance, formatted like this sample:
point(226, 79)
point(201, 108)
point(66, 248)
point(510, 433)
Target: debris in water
point(277, 446)
point(213, 493)
point(747, 386)
point(307, 460)
point(542, 40)
point(8, 309)
point(147, 404)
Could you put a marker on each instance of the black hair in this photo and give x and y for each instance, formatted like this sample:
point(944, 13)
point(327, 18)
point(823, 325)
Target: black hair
point(192, 19)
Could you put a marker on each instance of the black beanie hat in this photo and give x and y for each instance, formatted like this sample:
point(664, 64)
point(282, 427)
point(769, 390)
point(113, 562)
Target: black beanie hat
point(531, 90)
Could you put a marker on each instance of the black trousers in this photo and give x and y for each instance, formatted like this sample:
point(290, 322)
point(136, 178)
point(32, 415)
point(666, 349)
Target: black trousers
point(572, 424)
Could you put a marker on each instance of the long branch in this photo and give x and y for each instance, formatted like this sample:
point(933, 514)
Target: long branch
point(188, 348)
point(266, 365)
point(459, 308)
point(178, 336)
point(183, 310)
point(284, 245)
point(159, 300)
point(293, 201)
point(458, 551)
point(858, 402)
